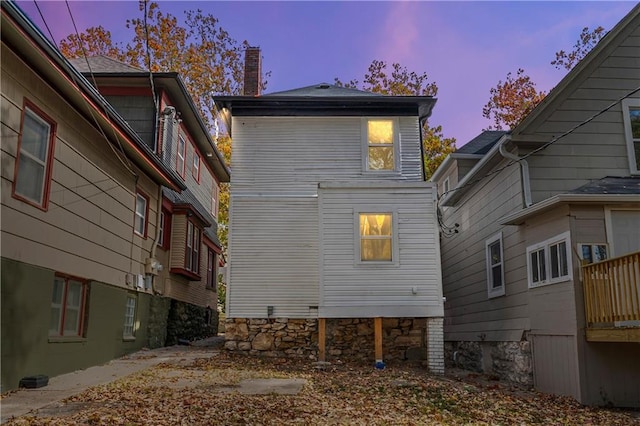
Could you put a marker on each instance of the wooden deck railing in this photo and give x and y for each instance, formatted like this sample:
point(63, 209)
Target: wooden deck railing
point(612, 290)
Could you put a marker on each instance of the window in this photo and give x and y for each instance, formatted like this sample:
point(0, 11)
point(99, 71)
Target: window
point(376, 237)
point(67, 307)
point(192, 255)
point(33, 163)
point(142, 214)
point(549, 262)
point(165, 229)
point(181, 154)
point(129, 318)
point(195, 170)
point(495, 266)
point(631, 119)
point(211, 269)
point(380, 144)
point(592, 253)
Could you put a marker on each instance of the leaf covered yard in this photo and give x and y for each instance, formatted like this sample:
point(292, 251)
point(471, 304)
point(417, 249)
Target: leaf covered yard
point(209, 391)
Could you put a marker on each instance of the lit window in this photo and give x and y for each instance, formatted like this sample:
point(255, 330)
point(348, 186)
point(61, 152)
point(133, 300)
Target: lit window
point(549, 262)
point(33, 162)
point(192, 255)
point(67, 307)
point(495, 266)
point(631, 119)
point(376, 238)
point(380, 145)
point(142, 211)
point(195, 170)
point(181, 154)
point(129, 317)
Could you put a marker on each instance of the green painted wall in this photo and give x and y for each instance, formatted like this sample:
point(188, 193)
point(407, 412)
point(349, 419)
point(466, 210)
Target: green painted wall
point(26, 349)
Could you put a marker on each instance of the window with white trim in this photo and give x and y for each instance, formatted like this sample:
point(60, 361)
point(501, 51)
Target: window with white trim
point(631, 119)
point(67, 307)
point(380, 144)
point(377, 241)
point(445, 186)
point(495, 266)
point(549, 262)
point(33, 162)
point(129, 317)
point(141, 215)
point(592, 253)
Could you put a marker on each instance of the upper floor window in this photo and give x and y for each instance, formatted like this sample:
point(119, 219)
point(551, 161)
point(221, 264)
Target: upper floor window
point(141, 215)
point(549, 262)
point(165, 229)
point(381, 144)
point(35, 157)
point(495, 266)
point(377, 240)
point(67, 307)
point(631, 119)
point(195, 170)
point(181, 155)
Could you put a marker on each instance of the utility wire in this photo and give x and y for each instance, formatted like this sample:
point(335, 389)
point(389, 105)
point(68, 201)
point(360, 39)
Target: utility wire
point(543, 147)
point(127, 165)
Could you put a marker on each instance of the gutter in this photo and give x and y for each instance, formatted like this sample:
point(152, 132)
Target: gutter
point(524, 166)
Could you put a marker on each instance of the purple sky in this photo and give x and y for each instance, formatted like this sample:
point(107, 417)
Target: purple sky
point(465, 47)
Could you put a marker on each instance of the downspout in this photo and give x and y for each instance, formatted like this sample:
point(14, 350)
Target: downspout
point(155, 265)
point(524, 166)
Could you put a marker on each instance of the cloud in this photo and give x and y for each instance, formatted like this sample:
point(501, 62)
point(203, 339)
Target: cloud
point(400, 32)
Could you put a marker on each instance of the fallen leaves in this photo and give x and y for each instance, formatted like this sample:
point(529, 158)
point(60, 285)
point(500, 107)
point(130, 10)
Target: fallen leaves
point(189, 393)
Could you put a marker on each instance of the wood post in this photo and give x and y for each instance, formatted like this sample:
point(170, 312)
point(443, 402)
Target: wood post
point(322, 337)
point(378, 338)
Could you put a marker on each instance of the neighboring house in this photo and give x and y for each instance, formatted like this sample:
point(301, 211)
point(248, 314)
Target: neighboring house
point(541, 262)
point(333, 239)
point(188, 246)
point(75, 288)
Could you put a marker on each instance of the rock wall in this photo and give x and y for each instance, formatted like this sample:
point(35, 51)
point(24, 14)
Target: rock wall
point(510, 361)
point(346, 339)
point(157, 326)
point(190, 322)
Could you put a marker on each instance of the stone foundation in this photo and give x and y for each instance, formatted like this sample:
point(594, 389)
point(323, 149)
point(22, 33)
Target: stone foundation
point(510, 361)
point(190, 322)
point(346, 339)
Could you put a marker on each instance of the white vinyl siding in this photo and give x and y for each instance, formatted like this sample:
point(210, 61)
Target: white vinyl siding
point(408, 286)
point(631, 120)
point(549, 262)
point(495, 266)
point(273, 257)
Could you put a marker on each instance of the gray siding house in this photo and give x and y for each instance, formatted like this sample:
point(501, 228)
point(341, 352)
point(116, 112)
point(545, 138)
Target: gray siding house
point(333, 242)
point(187, 246)
point(541, 260)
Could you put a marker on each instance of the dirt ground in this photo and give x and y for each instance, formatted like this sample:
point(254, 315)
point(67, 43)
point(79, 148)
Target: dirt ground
point(221, 390)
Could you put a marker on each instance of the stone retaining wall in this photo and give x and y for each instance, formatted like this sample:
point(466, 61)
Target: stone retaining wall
point(510, 361)
point(346, 339)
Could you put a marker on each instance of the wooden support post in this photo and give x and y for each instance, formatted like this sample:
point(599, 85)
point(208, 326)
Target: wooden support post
point(322, 338)
point(378, 338)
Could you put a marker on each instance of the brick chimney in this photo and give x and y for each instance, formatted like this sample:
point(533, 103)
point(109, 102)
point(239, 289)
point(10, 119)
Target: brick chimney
point(252, 71)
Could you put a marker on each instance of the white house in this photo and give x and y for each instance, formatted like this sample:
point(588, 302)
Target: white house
point(333, 241)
